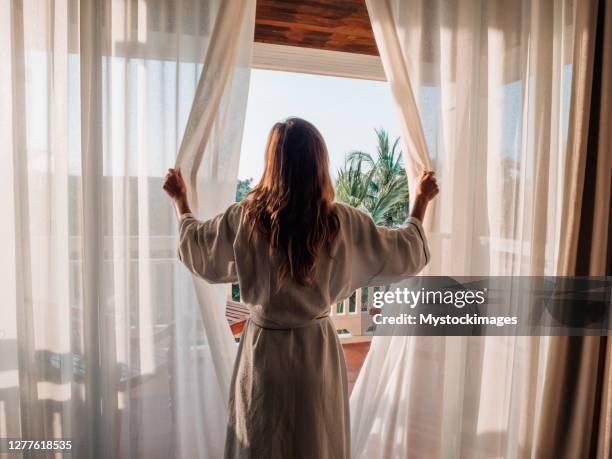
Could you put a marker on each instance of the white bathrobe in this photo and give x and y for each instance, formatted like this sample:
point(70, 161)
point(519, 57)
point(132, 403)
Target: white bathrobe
point(289, 394)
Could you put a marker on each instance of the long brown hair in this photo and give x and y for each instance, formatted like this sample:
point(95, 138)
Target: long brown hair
point(292, 205)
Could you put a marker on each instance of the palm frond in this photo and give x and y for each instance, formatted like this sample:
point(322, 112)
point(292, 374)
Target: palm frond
point(390, 196)
point(353, 185)
point(377, 184)
point(360, 156)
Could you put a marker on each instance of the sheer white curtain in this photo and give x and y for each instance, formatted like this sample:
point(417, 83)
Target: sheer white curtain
point(208, 157)
point(101, 339)
point(492, 83)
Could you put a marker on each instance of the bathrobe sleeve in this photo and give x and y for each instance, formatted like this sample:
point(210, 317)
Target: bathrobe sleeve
point(207, 248)
point(382, 256)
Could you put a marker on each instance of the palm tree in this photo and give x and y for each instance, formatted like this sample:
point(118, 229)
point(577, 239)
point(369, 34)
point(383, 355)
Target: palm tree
point(377, 185)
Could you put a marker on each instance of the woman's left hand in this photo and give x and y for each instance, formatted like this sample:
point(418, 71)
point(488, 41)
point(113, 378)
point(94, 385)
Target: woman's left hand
point(174, 185)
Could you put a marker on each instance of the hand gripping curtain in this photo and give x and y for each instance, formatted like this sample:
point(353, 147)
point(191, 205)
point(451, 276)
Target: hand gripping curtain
point(482, 90)
point(103, 338)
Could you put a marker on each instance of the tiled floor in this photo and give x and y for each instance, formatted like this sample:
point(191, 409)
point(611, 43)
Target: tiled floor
point(354, 355)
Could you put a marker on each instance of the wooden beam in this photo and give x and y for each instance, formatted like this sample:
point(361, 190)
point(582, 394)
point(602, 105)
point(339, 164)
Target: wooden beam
point(336, 25)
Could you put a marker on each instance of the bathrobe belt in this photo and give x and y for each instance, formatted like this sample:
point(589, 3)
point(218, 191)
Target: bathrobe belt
point(270, 325)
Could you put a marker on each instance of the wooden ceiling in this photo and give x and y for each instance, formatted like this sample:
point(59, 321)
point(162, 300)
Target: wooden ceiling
point(337, 25)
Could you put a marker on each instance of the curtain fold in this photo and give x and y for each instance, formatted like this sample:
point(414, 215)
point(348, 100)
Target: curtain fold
point(208, 157)
point(492, 83)
point(387, 32)
point(101, 335)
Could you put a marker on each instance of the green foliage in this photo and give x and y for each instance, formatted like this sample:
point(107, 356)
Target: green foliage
point(377, 185)
point(236, 292)
point(243, 188)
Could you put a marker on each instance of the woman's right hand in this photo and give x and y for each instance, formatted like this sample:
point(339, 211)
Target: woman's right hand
point(426, 190)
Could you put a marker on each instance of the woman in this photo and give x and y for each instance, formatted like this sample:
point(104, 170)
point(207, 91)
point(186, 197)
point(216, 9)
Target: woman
point(294, 252)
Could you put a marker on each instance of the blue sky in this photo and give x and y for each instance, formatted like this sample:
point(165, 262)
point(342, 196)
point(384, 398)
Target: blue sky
point(345, 110)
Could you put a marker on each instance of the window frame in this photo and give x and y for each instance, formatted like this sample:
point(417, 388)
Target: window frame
point(317, 62)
